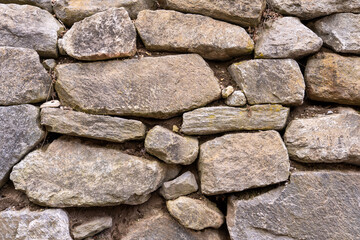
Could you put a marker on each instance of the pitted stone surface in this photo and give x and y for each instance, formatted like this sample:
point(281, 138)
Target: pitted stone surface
point(180, 186)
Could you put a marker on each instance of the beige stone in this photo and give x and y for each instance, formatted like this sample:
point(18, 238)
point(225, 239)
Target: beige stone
point(92, 227)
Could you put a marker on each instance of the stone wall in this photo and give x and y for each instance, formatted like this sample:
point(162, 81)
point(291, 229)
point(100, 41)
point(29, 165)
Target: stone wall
point(179, 119)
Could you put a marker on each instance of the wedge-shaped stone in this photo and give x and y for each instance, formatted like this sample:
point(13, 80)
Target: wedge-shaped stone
point(180, 186)
point(211, 120)
point(314, 205)
point(156, 87)
point(20, 131)
point(45, 4)
point(72, 172)
point(92, 227)
point(331, 77)
point(164, 30)
point(104, 35)
point(29, 27)
point(270, 81)
point(286, 37)
point(243, 12)
point(108, 128)
point(249, 160)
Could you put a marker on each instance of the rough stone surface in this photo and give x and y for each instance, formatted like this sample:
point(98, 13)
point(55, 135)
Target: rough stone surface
point(180, 186)
point(108, 128)
point(49, 64)
point(25, 224)
point(243, 12)
point(236, 99)
point(195, 214)
point(22, 77)
point(91, 228)
point(174, 84)
point(104, 35)
point(45, 4)
point(330, 138)
point(171, 147)
point(29, 27)
point(314, 205)
point(211, 120)
point(20, 131)
point(331, 77)
point(286, 37)
point(270, 81)
point(226, 92)
point(164, 30)
point(72, 172)
point(233, 162)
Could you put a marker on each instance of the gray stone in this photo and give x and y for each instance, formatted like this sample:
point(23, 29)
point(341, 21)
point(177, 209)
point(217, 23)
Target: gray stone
point(164, 30)
point(286, 37)
point(180, 186)
point(108, 128)
point(270, 81)
point(49, 64)
point(104, 35)
point(320, 205)
point(25, 224)
point(171, 147)
point(174, 84)
point(29, 27)
point(90, 228)
point(72, 172)
point(172, 172)
point(236, 99)
point(22, 77)
point(20, 132)
point(249, 160)
point(211, 120)
point(45, 4)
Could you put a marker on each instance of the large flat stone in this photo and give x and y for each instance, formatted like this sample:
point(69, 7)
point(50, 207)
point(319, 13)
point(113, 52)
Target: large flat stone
point(20, 131)
point(156, 87)
point(331, 77)
point(277, 81)
point(211, 120)
point(173, 31)
point(313, 205)
point(29, 27)
point(45, 4)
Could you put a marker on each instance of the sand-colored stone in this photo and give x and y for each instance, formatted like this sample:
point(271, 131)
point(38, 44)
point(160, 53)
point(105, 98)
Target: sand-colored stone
point(45, 4)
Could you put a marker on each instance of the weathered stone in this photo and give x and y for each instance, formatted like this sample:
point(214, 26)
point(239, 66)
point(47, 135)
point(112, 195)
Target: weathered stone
point(329, 138)
point(29, 27)
point(286, 37)
point(91, 228)
point(72, 172)
point(195, 214)
point(164, 30)
point(172, 171)
point(171, 147)
point(270, 81)
point(22, 77)
point(241, 164)
point(243, 12)
point(180, 186)
point(211, 120)
point(226, 92)
point(331, 77)
point(313, 205)
point(25, 224)
point(104, 35)
point(20, 131)
point(108, 128)
point(174, 84)
point(236, 99)
point(45, 4)
point(49, 64)
point(305, 9)
point(50, 104)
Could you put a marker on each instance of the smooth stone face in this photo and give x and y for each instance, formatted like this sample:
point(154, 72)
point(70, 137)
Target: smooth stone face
point(331, 138)
point(270, 81)
point(45, 4)
point(25, 224)
point(171, 147)
point(211, 120)
point(156, 87)
point(72, 172)
point(236, 99)
point(20, 132)
point(194, 213)
point(286, 37)
point(22, 77)
point(313, 205)
point(90, 228)
point(331, 77)
point(180, 186)
point(249, 160)
point(104, 35)
point(107, 128)
point(29, 27)
point(242, 12)
point(164, 30)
